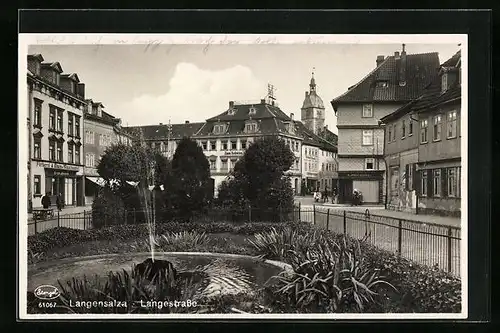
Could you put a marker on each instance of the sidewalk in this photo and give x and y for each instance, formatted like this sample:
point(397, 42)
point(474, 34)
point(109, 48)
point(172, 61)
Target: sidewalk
point(380, 211)
point(67, 211)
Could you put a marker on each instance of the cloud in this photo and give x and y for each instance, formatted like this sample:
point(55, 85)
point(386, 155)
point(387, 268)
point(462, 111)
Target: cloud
point(194, 94)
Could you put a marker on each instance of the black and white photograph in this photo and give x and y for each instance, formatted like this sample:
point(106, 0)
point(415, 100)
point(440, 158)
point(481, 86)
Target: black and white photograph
point(242, 176)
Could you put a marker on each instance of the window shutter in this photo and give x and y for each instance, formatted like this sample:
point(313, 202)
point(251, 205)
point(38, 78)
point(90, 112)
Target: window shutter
point(407, 169)
point(415, 176)
point(444, 183)
point(430, 181)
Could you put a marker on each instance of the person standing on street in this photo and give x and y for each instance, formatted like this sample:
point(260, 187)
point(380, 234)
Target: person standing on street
point(59, 202)
point(46, 200)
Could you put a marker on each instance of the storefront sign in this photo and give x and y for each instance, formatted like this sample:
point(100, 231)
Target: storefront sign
point(361, 175)
point(52, 165)
point(311, 174)
point(62, 173)
point(233, 153)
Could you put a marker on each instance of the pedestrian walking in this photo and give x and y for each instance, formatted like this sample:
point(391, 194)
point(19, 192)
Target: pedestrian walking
point(325, 195)
point(46, 200)
point(59, 202)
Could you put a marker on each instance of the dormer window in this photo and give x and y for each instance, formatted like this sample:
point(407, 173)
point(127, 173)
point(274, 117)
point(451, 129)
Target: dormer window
point(252, 111)
point(219, 128)
point(251, 127)
point(444, 82)
point(382, 84)
point(231, 111)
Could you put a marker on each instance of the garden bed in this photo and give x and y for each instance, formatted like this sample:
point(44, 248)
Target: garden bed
point(419, 288)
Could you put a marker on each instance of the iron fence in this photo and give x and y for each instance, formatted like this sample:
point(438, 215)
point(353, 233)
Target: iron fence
point(82, 221)
point(425, 243)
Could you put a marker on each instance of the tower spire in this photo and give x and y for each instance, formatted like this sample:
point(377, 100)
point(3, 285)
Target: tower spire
point(312, 85)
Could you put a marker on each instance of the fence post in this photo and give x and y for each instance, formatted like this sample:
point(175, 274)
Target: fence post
point(400, 235)
point(300, 217)
point(449, 249)
point(58, 219)
point(327, 218)
point(314, 214)
point(345, 223)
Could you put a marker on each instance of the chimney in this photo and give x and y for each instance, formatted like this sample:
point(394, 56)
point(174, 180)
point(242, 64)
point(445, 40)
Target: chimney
point(81, 90)
point(291, 116)
point(396, 55)
point(262, 101)
point(161, 124)
point(187, 121)
point(231, 104)
point(402, 67)
point(380, 59)
point(326, 127)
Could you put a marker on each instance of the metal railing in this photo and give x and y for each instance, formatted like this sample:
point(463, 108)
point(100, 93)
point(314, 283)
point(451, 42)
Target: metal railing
point(425, 243)
point(82, 221)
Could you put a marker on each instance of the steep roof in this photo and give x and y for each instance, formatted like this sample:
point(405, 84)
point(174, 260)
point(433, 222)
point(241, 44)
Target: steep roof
point(241, 112)
point(432, 96)
point(177, 131)
point(420, 70)
point(55, 65)
point(72, 76)
point(312, 100)
point(312, 139)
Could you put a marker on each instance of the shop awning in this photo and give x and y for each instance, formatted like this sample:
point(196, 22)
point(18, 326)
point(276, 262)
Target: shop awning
point(97, 180)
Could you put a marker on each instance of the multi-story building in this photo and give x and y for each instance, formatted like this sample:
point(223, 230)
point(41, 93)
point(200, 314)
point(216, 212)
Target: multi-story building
point(395, 81)
point(424, 162)
point(56, 102)
point(101, 131)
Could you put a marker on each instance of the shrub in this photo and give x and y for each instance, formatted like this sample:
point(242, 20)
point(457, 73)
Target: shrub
point(189, 239)
point(107, 209)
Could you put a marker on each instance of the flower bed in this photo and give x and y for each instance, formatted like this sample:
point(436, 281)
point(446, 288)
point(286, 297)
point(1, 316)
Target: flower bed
point(419, 288)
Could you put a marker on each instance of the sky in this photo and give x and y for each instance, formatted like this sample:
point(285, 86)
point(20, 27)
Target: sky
point(150, 85)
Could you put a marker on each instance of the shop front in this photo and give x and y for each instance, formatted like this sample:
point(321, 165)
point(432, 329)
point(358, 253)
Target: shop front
point(58, 179)
point(369, 183)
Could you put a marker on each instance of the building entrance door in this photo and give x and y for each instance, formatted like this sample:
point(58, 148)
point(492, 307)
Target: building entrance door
point(345, 191)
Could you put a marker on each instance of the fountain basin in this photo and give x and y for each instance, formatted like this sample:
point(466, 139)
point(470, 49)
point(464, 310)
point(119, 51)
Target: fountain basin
point(227, 273)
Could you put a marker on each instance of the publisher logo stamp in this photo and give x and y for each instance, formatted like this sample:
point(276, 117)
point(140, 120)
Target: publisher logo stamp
point(46, 292)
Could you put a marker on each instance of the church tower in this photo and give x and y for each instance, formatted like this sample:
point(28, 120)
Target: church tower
point(313, 110)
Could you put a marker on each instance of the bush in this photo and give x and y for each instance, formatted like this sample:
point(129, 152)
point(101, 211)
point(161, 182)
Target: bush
point(107, 209)
point(420, 288)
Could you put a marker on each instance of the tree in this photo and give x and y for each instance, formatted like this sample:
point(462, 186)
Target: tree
point(189, 183)
point(259, 177)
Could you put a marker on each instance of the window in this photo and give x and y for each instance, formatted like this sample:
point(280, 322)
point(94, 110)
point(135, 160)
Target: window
point(252, 111)
point(52, 150)
point(204, 145)
point(37, 148)
point(89, 160)
point(37, 186)
point(233, 145)
point(212, 164)
point(367, 110)
point(452, 125)
point(382, 84)
point(77, 155)
point(251, 127)
point(436, 184)
point(444, 82)
point(367, 137)
point(70, 124)
point(52, 119)
point(224, 165)
point(38, 113)
point(453, 182)
point(224, 145)
point(410, 128)
point(423, 131)
point(369, 164)
point(77, 127)
point(213, 145)
point(89, 137)
point(409, 176)
point(389, 133)
point(394, 132)
point(59, 152)
point(219, 129)
point(60, 121)
point(70, 153)
point(423, 183)
point(436, 133)
point(243, 144)
point(403, 129)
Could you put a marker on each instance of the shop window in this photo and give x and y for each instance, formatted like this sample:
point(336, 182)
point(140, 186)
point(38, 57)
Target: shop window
point(37, 186)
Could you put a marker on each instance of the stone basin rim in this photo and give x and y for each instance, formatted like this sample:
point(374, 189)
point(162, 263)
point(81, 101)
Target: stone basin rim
point(275, 263)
